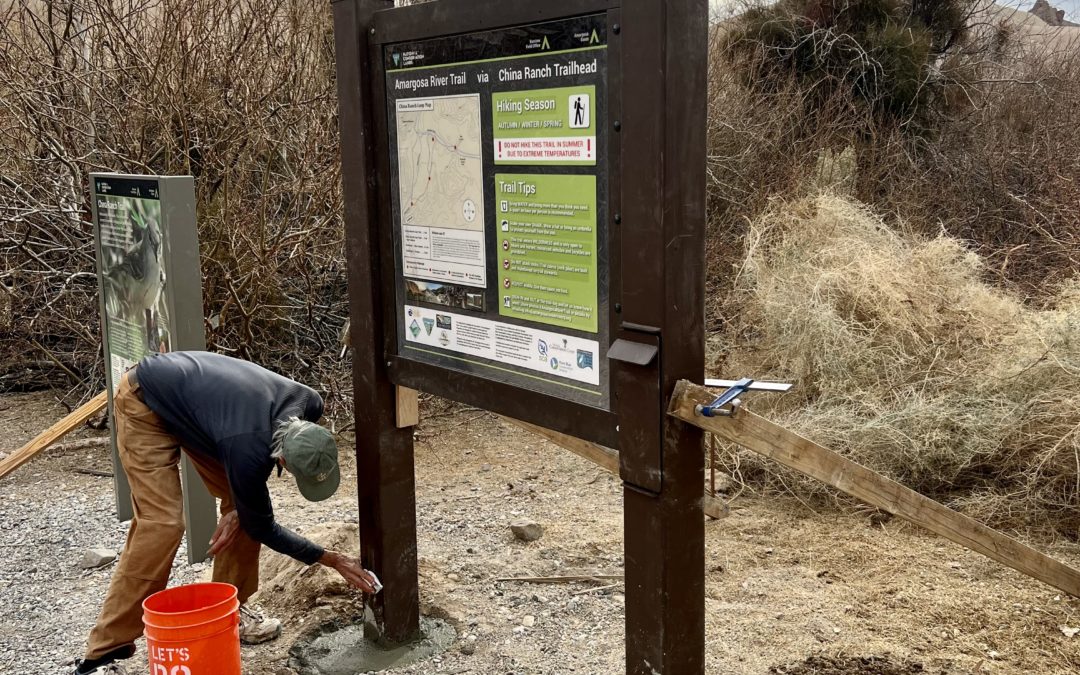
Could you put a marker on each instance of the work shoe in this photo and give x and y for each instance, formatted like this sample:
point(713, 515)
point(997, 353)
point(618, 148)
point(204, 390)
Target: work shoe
point(256, 628)
point(112, 668)
point(107, 664)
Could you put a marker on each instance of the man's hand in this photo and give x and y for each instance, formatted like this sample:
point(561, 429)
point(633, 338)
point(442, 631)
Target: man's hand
point(225, 533)
point(350, 570)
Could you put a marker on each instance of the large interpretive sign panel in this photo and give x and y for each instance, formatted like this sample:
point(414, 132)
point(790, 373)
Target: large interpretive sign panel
point(498, 164)
point(136, 314)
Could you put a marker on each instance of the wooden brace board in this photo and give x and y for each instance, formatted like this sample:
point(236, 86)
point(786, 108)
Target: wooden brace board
point(795, 452)
point(608, 459)
point(53, 434)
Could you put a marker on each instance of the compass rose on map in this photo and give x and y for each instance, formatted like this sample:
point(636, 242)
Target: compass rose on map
point(468, 210)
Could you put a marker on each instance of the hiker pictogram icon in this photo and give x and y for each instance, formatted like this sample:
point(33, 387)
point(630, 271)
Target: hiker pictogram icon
point(579, 111)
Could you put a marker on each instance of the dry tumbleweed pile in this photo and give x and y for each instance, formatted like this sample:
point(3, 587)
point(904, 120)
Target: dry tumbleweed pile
point(907, 361)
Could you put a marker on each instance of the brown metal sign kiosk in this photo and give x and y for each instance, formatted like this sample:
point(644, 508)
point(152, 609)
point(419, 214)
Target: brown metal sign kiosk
point(524, 209)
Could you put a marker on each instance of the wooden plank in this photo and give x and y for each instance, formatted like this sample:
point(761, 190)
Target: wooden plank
point(562, 579)
point(54, 433)
point(407, 407)
point(793, 451)
point(607, 459)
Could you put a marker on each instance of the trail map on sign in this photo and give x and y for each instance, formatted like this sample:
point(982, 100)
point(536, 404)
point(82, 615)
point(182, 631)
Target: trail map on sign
point(441, 188)
point(441, 179)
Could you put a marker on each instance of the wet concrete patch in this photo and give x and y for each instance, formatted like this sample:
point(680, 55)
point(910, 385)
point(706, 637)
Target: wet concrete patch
point(340, 648)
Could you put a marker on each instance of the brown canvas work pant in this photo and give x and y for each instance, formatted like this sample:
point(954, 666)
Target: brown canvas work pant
point(151, 458)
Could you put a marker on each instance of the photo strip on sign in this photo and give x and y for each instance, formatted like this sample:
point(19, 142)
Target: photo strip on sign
point(499, 185)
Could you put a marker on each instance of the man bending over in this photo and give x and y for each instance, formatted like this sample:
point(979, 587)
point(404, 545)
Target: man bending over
point(237, 422)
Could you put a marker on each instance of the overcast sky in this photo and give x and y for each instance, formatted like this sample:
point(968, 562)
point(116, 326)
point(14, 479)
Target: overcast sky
point(1071, 7)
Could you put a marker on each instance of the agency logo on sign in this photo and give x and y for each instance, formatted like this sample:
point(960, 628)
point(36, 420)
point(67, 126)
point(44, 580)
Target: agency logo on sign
point(554, 363)
point(444, 322)
point(414, 328)
point(541, 347)
point(584, 359)
point(397, 60)
point(428, 325)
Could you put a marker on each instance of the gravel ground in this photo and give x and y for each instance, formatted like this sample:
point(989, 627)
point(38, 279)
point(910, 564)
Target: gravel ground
point(49, 516)
point(789, 589)
point(49, 603)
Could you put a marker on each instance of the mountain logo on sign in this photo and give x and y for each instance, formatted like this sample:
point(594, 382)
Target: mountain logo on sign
point(428, 325)
point(397, 60)
point(414, 328)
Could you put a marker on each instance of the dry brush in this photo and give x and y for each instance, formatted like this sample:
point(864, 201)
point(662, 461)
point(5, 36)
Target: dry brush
point(240, 95)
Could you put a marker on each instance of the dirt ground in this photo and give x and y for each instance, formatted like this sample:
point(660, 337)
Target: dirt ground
point(790, 589)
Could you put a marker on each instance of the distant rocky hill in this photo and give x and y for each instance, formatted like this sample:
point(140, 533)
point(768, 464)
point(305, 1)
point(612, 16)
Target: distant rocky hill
point(1050, 14)
point(1041, 28)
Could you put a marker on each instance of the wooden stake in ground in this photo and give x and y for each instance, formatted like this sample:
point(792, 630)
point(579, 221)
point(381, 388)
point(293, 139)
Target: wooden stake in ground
point(53, 434)
point(608, 459)
point(793, 451)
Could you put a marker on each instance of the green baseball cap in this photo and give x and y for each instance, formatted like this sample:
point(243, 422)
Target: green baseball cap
point(311, 455)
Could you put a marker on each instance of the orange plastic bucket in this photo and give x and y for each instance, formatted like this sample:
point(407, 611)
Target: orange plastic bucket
point(193, 630)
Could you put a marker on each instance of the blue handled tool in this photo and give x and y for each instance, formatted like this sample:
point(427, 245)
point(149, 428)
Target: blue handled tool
point(728, 403)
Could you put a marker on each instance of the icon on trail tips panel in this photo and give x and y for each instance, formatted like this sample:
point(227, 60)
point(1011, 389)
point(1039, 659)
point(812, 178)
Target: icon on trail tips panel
point(428, 325)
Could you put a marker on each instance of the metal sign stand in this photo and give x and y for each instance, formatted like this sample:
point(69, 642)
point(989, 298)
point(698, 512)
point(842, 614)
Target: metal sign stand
point(168, 249)
point(647, 304)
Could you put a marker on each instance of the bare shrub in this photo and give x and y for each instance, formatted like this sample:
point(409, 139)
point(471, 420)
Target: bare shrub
point(888, 58)
point(241, 95)
point(1003, 176)
point(990, 157)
